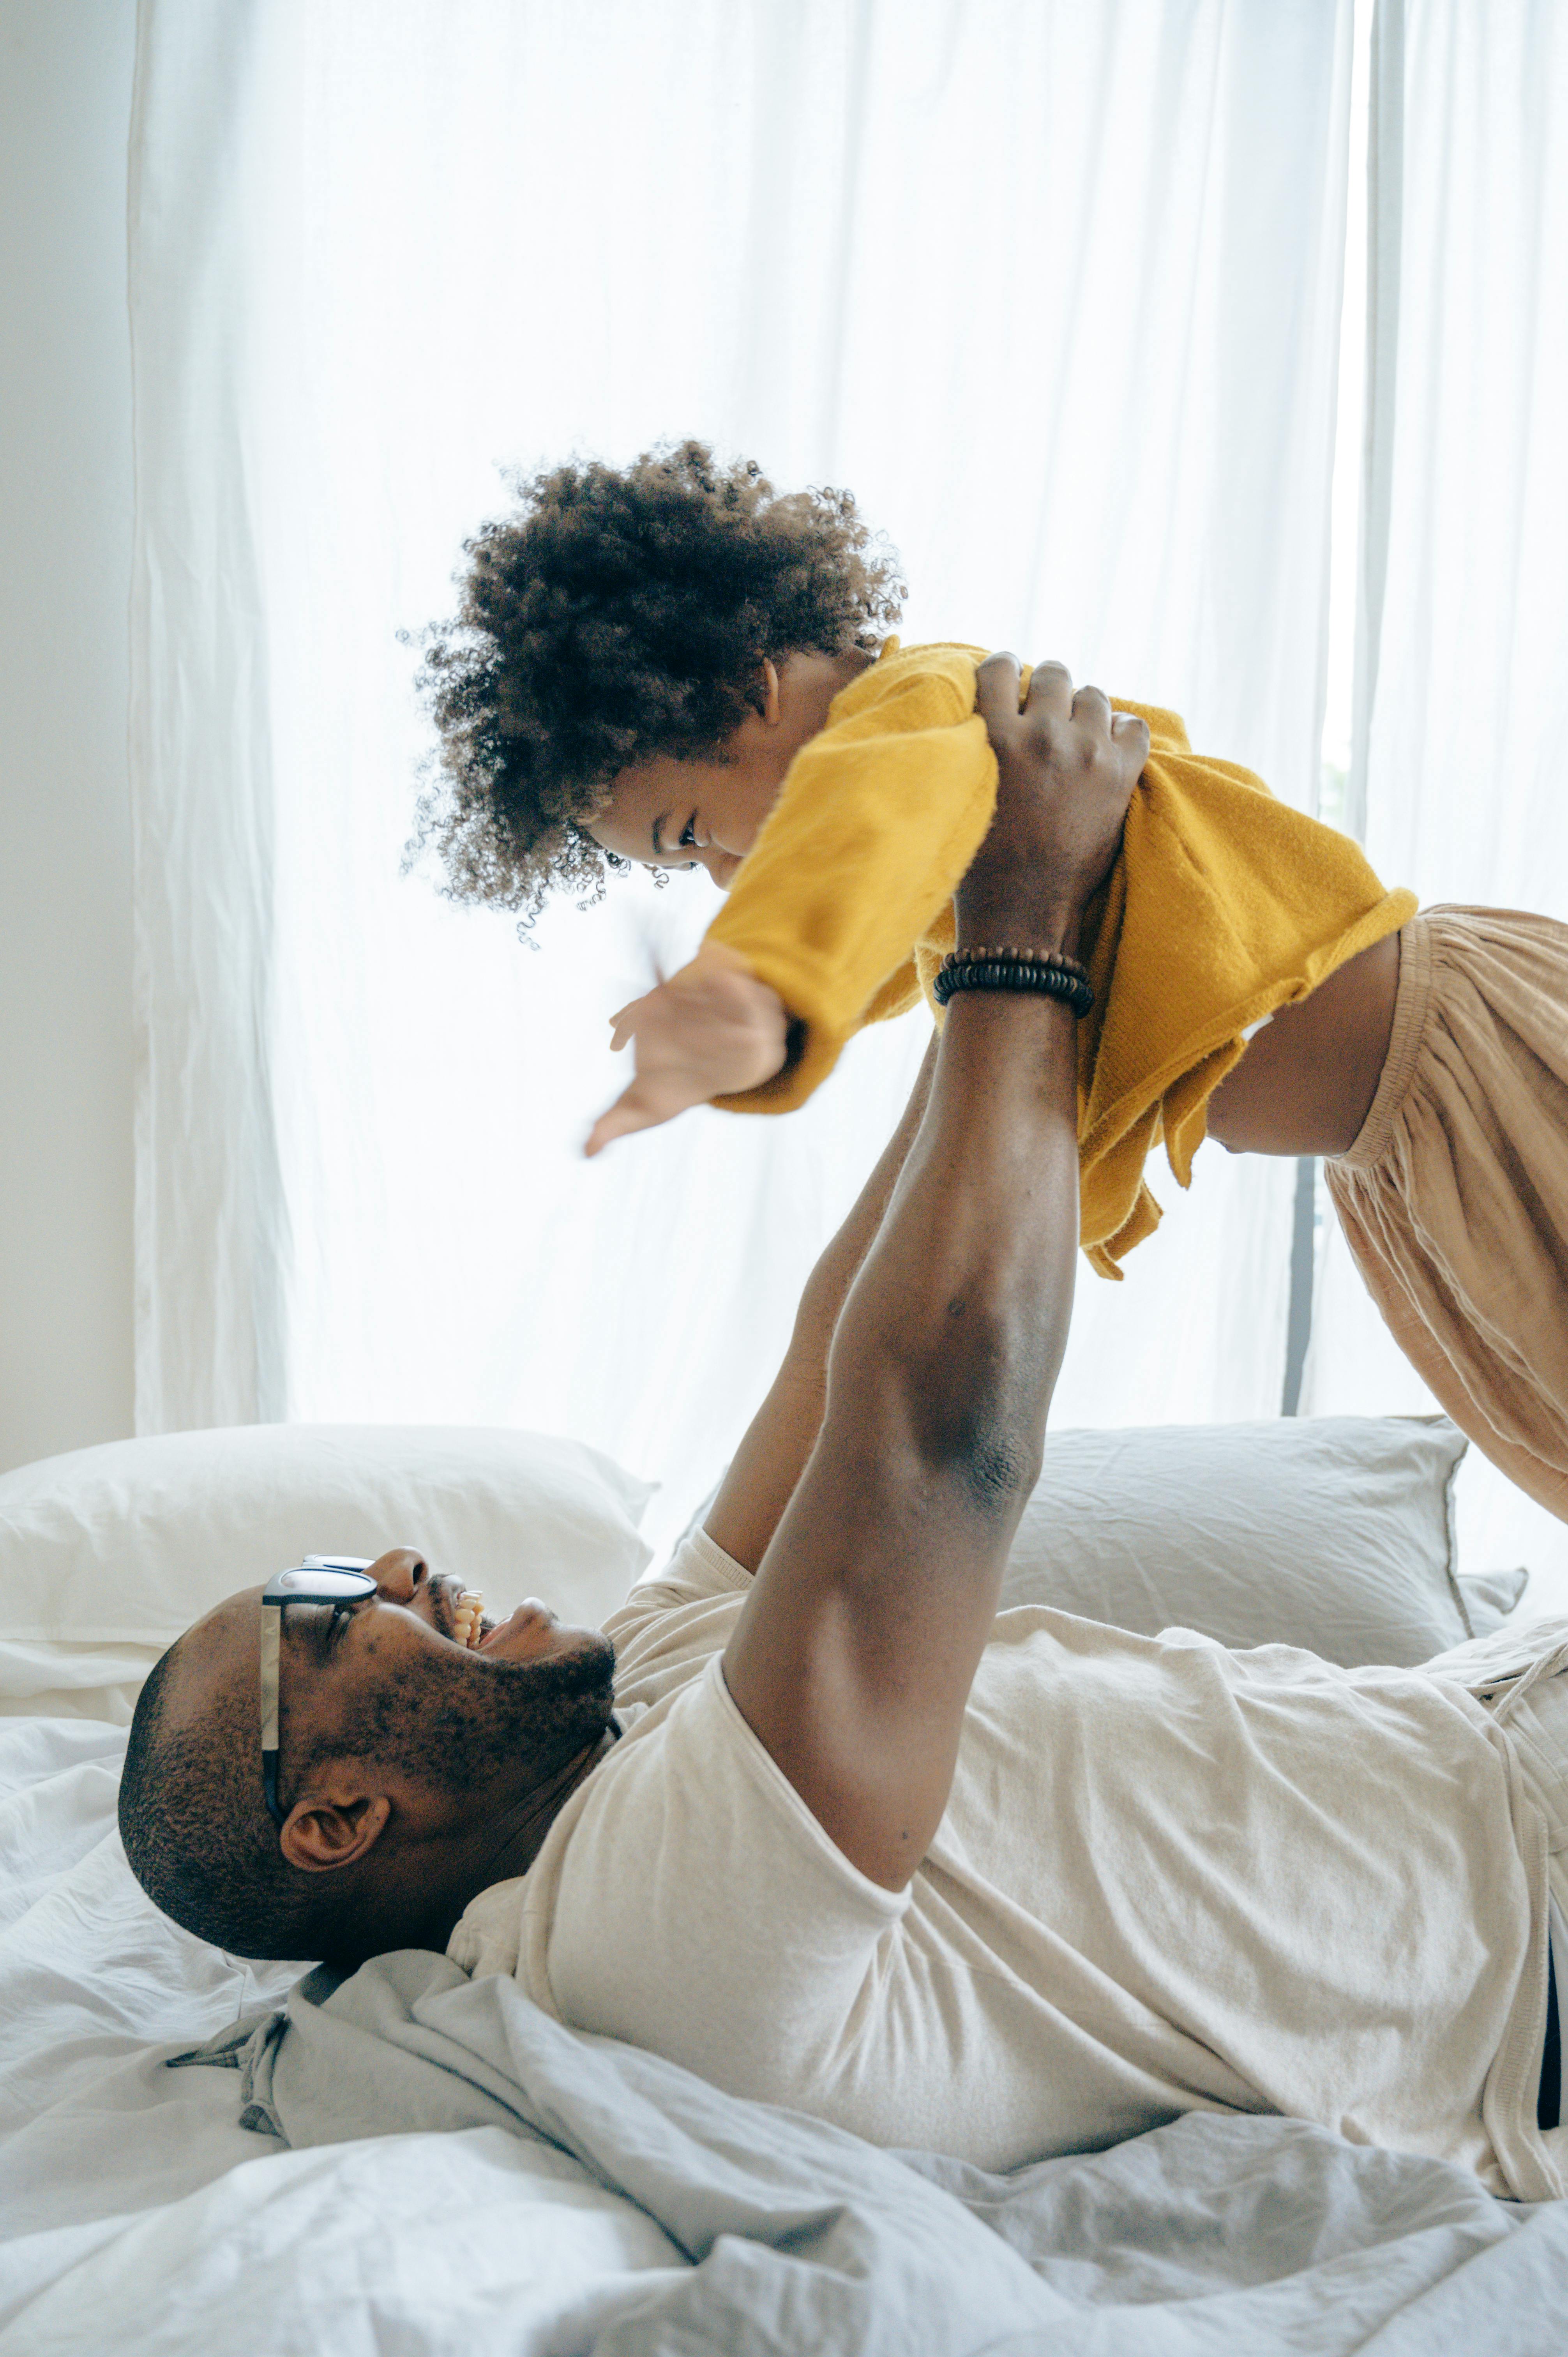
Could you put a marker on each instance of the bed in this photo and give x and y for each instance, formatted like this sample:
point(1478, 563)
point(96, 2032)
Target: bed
point(413, 2162)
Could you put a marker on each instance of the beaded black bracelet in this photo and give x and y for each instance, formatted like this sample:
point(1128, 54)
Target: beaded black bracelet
point(1045, 971)
point(1059, 958)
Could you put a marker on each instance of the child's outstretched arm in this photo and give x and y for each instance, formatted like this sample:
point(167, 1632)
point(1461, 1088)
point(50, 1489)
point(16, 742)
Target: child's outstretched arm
point(880, 815)
point(711, 1029)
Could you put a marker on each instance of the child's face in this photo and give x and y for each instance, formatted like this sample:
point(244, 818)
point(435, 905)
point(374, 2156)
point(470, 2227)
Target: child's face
point(703, 813)
point(708, 812)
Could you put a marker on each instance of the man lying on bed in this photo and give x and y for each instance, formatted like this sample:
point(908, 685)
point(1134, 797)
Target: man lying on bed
point(809, 1817)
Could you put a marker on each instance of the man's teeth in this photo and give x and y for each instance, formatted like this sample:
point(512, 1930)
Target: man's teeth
point(467, 1617)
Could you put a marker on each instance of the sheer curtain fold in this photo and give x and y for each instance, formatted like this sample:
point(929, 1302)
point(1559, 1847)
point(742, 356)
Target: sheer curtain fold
point(1053, 289)
point(1462, 688)
point(1466, 664)
point(211, 1208)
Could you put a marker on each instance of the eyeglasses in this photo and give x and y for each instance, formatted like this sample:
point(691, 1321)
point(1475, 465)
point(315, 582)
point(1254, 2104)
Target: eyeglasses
point(339, 1580)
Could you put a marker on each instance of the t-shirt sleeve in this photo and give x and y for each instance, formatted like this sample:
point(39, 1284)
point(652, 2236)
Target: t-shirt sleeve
point(879, 818)
point(700, 1910)
point(698, 1572)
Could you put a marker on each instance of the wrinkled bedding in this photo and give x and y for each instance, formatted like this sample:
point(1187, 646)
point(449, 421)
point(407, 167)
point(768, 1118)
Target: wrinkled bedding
point(432, 2166)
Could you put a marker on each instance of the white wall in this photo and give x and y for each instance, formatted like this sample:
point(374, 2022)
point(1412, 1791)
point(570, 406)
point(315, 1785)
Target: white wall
point(66, 1044)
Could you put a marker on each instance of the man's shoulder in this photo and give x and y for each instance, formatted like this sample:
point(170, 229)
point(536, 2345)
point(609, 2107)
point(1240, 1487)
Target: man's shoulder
point(671, 1626)
point(600, 1841)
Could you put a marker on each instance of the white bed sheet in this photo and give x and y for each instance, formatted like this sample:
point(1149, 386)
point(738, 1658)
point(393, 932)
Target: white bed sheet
point(137, 2215)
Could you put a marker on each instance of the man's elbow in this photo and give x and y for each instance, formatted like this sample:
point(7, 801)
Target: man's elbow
point(969, 1419)
point(999, 1465)
point(989, 1446)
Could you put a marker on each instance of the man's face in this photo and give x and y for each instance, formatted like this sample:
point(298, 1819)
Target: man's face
point(395, 1695)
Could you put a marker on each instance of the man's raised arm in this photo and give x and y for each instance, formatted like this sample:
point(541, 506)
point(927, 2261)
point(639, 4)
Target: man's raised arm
point(782, 1433)
point(854, 1656)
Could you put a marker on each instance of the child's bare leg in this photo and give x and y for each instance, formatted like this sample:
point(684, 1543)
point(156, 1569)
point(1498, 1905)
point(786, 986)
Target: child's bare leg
point(1306, 1082)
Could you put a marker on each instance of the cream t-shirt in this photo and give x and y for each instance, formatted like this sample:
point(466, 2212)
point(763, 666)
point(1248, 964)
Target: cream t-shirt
point(1169, 1878)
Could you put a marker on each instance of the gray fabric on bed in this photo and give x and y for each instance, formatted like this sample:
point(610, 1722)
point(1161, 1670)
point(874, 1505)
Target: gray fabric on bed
point(1211, 2235)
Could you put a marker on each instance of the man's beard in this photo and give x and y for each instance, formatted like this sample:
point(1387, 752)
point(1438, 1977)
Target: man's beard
point(456, 1723)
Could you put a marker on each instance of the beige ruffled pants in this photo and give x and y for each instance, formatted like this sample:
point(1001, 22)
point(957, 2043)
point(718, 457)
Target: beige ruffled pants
point(1453, 1198)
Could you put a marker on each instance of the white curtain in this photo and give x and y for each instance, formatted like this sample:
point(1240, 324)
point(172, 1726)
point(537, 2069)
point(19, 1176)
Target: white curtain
point(1460, 764)
point(1054, 287)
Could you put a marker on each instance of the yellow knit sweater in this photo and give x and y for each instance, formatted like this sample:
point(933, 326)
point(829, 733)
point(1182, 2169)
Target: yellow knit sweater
point(1223, 905)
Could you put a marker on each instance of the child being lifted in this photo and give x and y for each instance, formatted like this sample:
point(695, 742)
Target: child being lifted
point(669, 663)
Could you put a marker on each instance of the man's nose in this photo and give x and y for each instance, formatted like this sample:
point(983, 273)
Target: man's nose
point(721, 866)
point(400, 1573)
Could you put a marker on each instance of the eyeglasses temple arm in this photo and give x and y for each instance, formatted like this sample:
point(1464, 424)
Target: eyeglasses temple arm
point(272, 1624)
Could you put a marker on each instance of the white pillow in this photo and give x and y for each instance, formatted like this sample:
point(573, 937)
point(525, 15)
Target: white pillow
point(107, 1553)
point(1331, 1532)
point(50, 1677)
point(1489, 1596)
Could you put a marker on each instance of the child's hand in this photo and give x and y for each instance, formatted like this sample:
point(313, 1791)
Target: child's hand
point(711, 1029)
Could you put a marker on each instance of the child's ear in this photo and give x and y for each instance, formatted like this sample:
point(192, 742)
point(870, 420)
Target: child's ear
point(767, 703)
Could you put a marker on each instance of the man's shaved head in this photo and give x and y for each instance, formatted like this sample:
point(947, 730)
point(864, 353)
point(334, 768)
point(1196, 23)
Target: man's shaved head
point(196, 1828)
point(412, 1767)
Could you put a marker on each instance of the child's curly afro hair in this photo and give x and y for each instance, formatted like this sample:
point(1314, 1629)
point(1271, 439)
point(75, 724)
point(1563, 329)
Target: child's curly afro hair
point(616, 614)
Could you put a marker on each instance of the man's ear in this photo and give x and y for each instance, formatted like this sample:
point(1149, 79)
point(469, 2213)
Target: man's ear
point(334, 1824)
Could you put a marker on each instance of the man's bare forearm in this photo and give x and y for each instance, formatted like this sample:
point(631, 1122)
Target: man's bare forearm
point(827, 1287)
point(851, 1658)
point(954, 1334)
point(875, 1596)
point(781, 1436)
